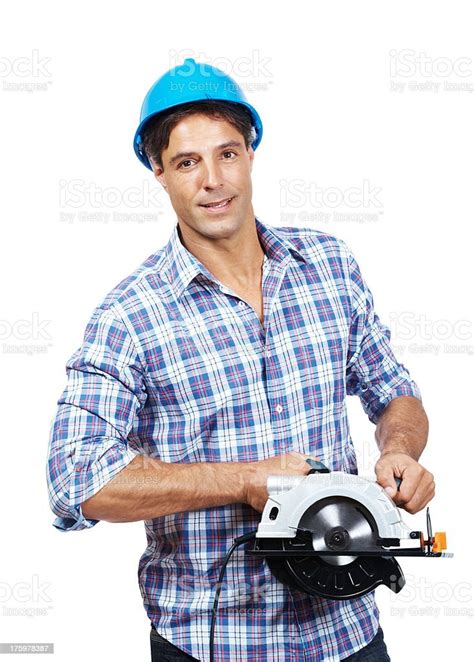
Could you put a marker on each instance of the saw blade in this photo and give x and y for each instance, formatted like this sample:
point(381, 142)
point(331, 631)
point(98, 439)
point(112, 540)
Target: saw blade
point(340, 524)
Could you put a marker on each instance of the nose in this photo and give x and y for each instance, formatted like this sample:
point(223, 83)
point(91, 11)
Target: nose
point(211, 176)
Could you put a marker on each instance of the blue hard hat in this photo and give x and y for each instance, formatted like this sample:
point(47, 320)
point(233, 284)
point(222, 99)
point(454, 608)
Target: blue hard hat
point(190, 81)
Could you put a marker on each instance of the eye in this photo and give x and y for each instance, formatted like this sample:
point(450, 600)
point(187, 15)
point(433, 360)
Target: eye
point(228, 154)
point(185, 164)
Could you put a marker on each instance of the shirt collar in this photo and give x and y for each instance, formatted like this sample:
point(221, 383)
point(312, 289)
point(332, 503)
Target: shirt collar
point(183, 266)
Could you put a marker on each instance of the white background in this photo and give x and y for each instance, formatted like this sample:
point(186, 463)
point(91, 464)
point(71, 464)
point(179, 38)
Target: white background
point(323, 78)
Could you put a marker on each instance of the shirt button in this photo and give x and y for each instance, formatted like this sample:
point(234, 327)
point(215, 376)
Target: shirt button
point(241, 304)
point(278, 409)
point(363, 387)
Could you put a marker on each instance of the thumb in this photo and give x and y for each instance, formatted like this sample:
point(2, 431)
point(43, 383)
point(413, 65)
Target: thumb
point(387, 481)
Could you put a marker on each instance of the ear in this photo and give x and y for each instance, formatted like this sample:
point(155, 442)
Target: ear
point(159, 173)
point(251, 154)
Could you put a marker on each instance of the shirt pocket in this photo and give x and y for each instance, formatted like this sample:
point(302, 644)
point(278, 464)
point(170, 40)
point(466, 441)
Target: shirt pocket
point(318, 357)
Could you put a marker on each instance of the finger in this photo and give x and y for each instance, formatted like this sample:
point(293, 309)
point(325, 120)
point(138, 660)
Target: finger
point(386, 478)
point(295, 461)
point(424, 494)
point(416, 482)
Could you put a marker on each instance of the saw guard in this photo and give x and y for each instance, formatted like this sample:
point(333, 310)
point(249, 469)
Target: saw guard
point(290, 499)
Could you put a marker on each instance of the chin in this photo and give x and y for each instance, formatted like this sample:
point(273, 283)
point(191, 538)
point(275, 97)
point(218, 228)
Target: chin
point(222, 227)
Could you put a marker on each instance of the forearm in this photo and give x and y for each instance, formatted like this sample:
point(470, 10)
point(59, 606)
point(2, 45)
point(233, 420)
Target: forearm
point(149, 488)
point(402, 427)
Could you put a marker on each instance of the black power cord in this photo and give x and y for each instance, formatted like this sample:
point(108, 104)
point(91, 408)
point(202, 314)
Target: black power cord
point(236, 543)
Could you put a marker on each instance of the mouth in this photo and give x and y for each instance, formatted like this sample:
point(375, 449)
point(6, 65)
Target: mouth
point(219, 205)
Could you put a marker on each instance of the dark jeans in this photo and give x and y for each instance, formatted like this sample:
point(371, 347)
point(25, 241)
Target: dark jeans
point(375, 651)
point(163, 651)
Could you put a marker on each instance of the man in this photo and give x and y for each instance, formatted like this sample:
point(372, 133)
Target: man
point(223, 359)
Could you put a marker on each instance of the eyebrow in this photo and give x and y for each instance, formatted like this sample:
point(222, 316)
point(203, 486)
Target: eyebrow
point(181, 155)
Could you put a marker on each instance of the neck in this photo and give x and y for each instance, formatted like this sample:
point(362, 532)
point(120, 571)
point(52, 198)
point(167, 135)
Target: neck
point(234, 260)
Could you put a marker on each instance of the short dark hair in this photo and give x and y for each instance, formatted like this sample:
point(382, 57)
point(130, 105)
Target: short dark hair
point(156, 135)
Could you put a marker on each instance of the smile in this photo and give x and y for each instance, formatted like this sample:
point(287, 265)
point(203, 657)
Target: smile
point(219, 205)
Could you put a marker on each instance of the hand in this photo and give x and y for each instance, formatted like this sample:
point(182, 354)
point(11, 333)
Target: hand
point(293, 463)
point(417, 487)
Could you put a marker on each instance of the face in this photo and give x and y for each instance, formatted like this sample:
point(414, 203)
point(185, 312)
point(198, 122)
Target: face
point(207, 174)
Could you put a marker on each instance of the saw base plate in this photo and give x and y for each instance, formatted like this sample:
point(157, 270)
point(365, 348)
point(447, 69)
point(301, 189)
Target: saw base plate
point(314, 575)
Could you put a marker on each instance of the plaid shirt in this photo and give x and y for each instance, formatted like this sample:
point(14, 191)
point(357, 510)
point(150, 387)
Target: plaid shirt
point(175, 365)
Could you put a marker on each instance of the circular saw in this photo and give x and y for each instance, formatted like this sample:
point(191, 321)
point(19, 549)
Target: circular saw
point(335, 534)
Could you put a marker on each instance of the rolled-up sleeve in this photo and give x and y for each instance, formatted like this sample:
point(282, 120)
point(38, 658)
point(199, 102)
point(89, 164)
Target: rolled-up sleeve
point(96, 411)
point(373, 373)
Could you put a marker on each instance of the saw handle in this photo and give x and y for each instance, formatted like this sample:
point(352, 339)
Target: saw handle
point(319, 467)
